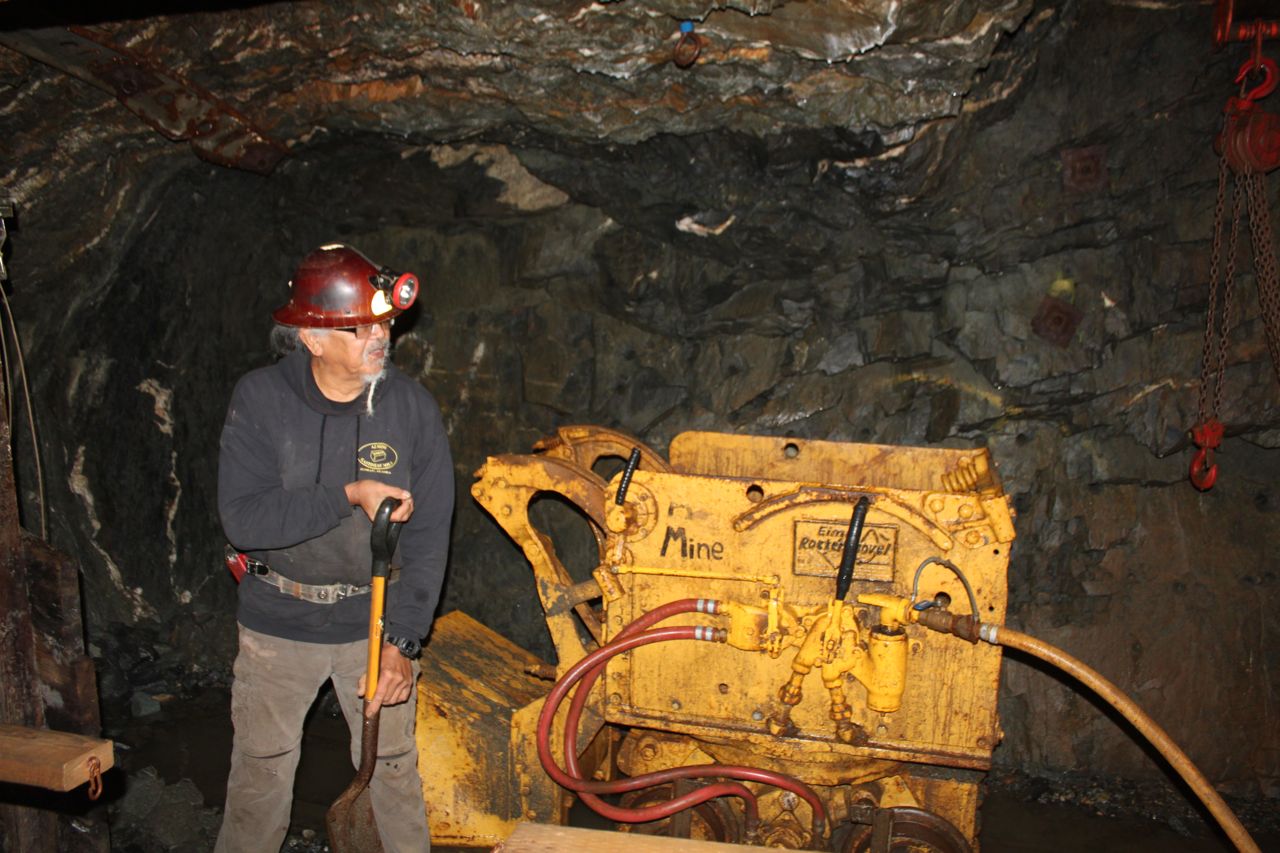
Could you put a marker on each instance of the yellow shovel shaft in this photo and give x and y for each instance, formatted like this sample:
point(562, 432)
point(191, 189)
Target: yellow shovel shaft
point(379, 593)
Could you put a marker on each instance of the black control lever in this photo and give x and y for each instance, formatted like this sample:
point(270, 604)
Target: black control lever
point(632, 464)
point(384, 536)
point(844, 577)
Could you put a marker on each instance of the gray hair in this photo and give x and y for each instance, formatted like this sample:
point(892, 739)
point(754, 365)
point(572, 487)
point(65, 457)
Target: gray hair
point(284, 339)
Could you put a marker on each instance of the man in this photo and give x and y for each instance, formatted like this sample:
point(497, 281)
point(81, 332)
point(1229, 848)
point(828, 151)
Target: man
point(310, 447)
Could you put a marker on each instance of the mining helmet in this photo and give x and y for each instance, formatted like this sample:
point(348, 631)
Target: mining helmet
point(337, 287)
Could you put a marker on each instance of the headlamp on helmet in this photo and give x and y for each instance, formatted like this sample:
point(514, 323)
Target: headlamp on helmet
point(400, 291)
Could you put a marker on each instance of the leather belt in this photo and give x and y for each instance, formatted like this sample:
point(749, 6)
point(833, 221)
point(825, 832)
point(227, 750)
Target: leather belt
point(316, 593)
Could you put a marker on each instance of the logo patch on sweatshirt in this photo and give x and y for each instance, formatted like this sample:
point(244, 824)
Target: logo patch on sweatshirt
point(377, 456)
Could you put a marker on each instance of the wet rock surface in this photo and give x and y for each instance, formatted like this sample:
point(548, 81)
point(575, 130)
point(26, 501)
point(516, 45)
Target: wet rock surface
point(146, 685)
point(1085, 796)
point(140, 668)
point(156, 816)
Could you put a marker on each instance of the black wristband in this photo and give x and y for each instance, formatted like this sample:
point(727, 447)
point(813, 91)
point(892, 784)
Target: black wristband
point(412, 649)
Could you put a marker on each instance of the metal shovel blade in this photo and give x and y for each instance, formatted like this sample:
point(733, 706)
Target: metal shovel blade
point(349, 821)
point(352, 828)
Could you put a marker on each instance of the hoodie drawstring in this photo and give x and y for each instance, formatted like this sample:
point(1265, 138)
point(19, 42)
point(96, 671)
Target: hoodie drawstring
point(355, 463)
point(324, 419)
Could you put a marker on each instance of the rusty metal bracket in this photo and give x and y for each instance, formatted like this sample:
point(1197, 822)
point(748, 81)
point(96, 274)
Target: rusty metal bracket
point(95, 777)
point(177, 108)
point(688, 47)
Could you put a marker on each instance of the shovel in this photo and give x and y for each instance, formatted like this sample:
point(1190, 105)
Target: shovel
point(350, 821)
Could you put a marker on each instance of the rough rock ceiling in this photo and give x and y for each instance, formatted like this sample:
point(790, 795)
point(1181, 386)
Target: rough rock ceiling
point(796, 124)
point(880, 70)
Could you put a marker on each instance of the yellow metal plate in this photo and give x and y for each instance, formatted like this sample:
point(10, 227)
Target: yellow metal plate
point(473, 682)
point(719, 538)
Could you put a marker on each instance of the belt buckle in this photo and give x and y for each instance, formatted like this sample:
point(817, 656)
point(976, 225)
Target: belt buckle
point(339, 594)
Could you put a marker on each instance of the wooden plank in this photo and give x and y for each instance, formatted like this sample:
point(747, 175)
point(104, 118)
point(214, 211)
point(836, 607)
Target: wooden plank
point(58, 761)
point(545, 838)
point(65, 673)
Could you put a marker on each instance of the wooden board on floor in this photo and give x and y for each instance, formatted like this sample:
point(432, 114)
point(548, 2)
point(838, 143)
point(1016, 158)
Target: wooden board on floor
point(544, 838)
point(58, 761)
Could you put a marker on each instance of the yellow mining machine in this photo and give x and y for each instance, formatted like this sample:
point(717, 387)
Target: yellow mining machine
point(749, 658)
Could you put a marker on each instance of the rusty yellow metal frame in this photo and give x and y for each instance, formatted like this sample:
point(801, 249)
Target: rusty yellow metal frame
point(895, 715)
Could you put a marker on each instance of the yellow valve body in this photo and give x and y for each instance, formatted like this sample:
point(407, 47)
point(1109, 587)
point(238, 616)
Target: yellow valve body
point(888, 654)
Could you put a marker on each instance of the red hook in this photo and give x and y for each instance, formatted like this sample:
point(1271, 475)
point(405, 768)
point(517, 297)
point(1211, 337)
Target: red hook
point(1269, 73)
point(1207, 437)
point(1201, 477)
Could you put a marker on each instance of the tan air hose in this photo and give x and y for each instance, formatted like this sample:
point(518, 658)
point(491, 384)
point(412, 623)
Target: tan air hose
point(1000, 635)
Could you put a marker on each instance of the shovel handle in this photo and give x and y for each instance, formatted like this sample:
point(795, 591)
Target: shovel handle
point(384, 536)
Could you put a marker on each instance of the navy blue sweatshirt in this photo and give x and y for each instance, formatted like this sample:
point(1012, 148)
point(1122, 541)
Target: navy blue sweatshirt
point(287, 453)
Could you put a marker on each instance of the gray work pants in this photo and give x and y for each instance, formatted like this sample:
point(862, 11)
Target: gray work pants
point(275, 683)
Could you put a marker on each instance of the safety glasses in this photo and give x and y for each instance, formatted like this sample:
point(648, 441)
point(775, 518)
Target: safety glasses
point(363, 332)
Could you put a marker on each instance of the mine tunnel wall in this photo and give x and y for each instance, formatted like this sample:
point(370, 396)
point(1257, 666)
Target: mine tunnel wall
point(143, 289)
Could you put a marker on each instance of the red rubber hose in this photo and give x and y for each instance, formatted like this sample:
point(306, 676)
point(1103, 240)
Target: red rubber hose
point(656, 812)
point(587, 673)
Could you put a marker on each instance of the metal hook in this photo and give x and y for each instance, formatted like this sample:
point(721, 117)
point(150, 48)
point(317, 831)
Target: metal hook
point(1270, 73)
point(1203, 475)
point(95, 777)
point(1207, 436)
point(688, 47)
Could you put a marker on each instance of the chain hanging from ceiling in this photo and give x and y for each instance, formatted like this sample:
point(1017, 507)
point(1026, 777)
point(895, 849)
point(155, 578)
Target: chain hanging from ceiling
point(1249, 145)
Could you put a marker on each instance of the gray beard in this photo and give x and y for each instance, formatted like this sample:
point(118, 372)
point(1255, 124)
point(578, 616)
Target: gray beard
point(372, 384)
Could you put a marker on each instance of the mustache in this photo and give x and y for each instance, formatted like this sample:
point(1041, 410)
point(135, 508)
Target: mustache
point(384, 347)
